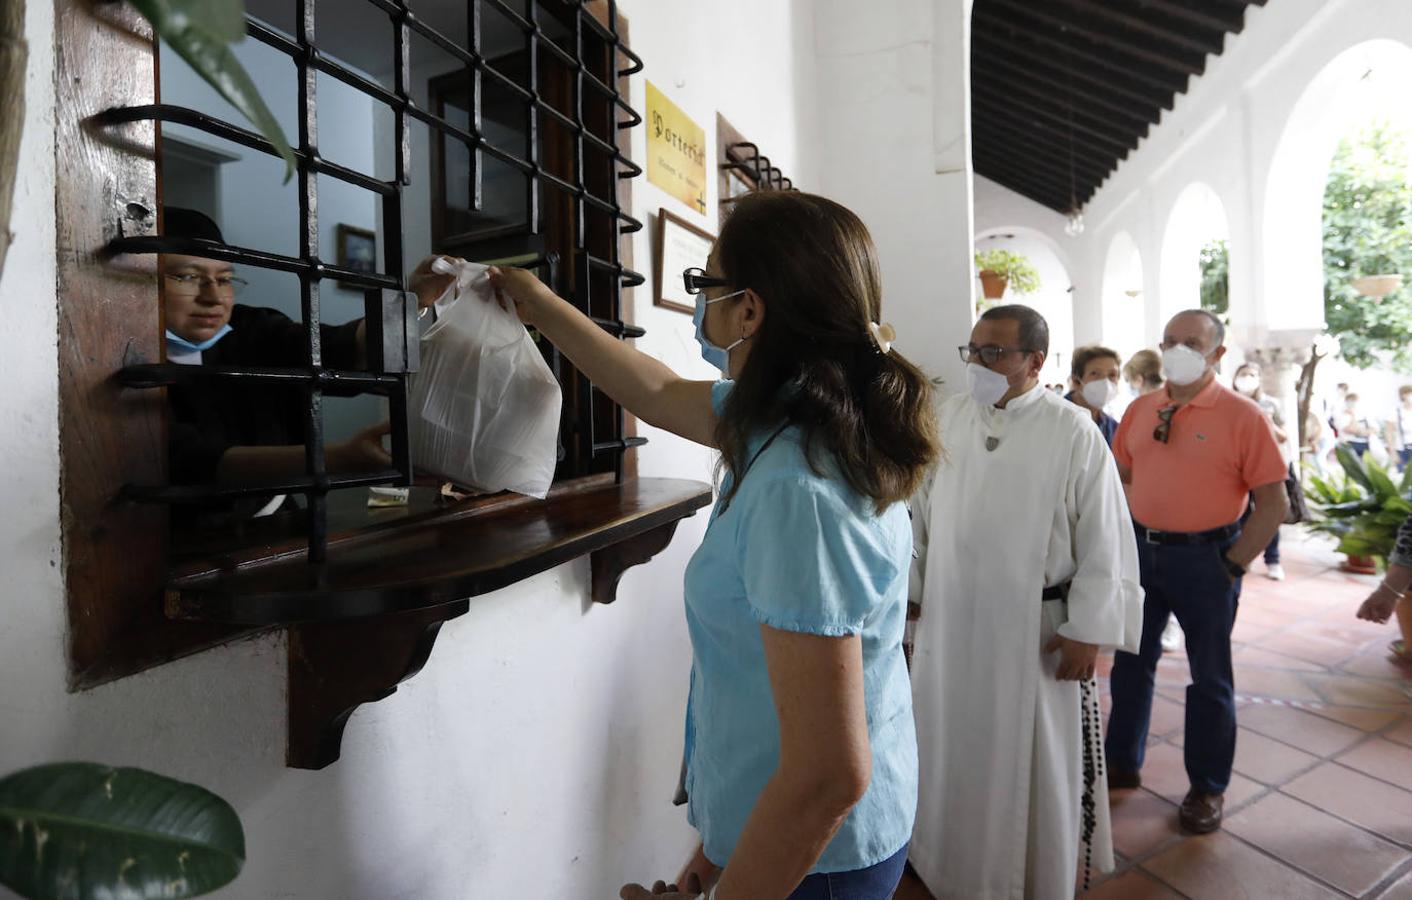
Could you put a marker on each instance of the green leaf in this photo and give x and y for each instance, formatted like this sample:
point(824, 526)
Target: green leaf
point(1354, 468)
point(85, 831)
point(205, 45)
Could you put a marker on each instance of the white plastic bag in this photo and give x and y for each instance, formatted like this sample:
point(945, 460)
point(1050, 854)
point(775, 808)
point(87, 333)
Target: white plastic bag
point(484, 408)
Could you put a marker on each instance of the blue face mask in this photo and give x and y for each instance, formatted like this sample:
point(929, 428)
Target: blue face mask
point(183, 343)
point(718, 356)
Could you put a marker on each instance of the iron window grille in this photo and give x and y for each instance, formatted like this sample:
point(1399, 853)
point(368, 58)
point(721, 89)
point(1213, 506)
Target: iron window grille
point(598, 223)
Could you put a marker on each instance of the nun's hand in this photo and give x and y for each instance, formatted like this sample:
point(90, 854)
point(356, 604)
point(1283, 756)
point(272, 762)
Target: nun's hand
point(429, 285)
point(363, 452)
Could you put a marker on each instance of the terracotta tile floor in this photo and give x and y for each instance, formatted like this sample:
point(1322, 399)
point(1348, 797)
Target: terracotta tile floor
point(1321, 802)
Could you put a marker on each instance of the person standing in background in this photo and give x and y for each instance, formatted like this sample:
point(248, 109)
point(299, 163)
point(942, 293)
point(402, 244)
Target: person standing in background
point(1353, 428)
point(1143, 372)
point(1093, 384)
point(1192, 454)
point(1247, 384)
point(1399, 429)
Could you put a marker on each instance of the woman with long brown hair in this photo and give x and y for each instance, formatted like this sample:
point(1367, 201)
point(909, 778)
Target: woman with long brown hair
point(801, 766)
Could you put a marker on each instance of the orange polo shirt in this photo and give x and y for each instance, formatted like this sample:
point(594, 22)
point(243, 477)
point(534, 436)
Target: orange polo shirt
point(1221, 447)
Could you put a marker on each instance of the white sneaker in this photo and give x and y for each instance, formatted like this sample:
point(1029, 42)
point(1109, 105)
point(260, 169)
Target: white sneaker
point(1172, 637)
point(1275, 572)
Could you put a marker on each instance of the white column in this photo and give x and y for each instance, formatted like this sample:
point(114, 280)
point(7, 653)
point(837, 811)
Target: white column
point(896, 150)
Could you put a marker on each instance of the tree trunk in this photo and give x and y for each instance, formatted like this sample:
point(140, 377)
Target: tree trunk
point(13, 54)
point(1304, 391)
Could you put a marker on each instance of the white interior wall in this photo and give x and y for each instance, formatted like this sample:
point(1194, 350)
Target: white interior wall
point(539, 747)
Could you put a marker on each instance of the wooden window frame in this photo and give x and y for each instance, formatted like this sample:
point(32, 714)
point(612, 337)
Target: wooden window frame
point(352, 635)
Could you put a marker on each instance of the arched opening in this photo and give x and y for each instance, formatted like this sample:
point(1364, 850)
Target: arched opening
point(1054, 296)
point(1124, 326)
point(1193, 253)
point(1363, 84)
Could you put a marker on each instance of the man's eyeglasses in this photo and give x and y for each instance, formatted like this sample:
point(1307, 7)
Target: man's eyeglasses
point(1163, 431)
point(696, 279)
point(191, 284)
point(990, 354)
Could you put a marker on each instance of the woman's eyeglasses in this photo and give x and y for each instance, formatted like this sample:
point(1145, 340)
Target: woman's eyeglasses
point(190, 284)
point(696, 279)
point(1163, 431)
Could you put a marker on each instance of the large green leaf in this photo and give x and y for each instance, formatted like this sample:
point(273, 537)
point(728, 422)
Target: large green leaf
point(201, 32)
point(1353, 467)
point(81, 831)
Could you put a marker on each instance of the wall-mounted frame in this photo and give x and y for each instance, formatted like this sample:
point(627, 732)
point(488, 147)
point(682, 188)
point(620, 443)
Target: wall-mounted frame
point(680, 246)
point(357, 249)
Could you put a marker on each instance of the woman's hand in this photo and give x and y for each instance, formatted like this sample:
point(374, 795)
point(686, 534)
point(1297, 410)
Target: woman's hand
point(361, 453)
point(1379, 605)
point(662, 889)
point(522, 288)
point(429, 285)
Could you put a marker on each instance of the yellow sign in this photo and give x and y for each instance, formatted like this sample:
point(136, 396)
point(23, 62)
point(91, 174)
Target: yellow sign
point(676, 151)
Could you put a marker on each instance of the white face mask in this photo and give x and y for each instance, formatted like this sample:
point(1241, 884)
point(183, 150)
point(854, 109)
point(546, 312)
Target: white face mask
point(986, 387)
point(1183, 365)
point(1247, 384)
point(1100, 393)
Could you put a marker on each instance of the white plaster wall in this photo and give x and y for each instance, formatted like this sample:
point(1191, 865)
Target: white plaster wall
point(537, 752)
point(1225, 131)
point(897, 151)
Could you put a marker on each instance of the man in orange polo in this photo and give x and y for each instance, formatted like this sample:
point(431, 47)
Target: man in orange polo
point(1191, 454)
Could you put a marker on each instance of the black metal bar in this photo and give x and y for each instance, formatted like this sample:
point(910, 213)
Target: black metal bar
point(618, 446)
point(473, 28)
point(308, 485)
point(163, 112)
point(531, 118)
point(309, 287)
point(156, 375)
point(583, 299)
point(152, 243)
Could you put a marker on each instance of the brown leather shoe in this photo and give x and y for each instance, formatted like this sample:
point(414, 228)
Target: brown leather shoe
point(1201, 813)
point(1119, 780)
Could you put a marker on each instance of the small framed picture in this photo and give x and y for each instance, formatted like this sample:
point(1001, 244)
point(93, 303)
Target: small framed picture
point(680, 246)
point(357, 249)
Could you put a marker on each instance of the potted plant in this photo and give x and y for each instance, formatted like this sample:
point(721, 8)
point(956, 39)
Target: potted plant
point(1375, 276)
point(1362, 507)
point(1000, 269)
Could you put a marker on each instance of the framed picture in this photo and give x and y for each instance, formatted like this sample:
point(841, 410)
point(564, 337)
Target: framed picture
point(680, 246)
point(356, 249)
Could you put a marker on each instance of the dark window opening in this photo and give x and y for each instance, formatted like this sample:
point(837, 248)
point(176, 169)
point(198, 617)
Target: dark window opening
point(482, 129)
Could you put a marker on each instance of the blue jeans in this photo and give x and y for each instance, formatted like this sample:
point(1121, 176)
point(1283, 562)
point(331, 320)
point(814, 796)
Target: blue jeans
point(1359, 447)
point(1190, 582)
point(876, 882)
point(1404, 456)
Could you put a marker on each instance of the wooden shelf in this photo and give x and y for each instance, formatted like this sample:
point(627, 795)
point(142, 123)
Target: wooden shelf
point(425, 559)
point(368, 619)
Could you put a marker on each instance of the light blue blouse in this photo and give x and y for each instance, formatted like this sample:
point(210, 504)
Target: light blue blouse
point(803, 552)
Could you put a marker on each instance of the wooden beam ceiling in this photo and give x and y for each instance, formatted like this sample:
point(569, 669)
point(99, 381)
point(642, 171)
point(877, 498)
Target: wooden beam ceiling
point(1084, 80)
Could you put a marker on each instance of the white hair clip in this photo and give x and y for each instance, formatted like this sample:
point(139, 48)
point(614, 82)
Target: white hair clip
point(883, 336)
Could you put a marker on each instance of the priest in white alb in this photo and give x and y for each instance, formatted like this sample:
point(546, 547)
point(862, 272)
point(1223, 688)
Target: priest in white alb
point(1026, 566)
